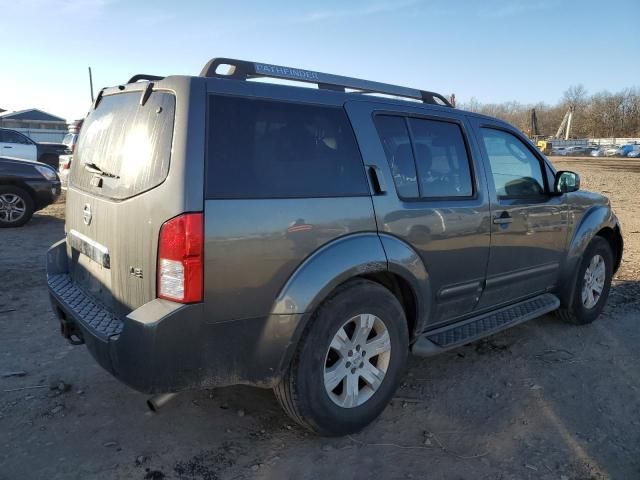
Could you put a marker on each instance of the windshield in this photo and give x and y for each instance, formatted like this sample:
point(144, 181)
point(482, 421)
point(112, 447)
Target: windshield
point(124, 148)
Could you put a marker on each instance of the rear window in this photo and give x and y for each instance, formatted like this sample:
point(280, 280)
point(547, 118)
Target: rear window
point(441, 156)
point(397, 147)
point(124, 148)
point(270, 149)
point(438, 150)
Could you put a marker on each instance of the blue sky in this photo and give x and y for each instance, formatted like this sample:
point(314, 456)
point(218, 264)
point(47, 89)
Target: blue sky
point(493, 50)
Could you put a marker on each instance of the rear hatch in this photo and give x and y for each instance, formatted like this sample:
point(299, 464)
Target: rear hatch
point(117, 187)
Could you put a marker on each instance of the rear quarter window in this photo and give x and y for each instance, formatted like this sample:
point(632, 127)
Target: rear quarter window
point(128, 142)
point(271, 149)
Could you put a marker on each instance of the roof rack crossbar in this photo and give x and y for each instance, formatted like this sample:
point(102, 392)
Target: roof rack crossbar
point(144, 76)
point(244, 70)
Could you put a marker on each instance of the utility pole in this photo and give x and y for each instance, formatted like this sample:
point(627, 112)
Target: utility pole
point(91, 84)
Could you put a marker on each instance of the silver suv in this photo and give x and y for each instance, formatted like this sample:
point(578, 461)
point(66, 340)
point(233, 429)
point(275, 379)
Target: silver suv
point(223, 231)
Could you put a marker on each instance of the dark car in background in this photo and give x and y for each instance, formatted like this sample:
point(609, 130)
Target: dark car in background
point(17, 145)
point(25, 188)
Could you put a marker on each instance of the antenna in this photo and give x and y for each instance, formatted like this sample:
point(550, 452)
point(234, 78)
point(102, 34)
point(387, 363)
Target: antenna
point(91, 84)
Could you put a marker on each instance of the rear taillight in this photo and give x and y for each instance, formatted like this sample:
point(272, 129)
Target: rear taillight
point(180, 258)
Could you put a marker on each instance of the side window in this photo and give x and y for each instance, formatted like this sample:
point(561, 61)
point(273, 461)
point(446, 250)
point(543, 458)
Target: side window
point(397, 147)
point(23, 139)
point(11, 137)
point(272, 149)
point(515, 169)
point(441, 157)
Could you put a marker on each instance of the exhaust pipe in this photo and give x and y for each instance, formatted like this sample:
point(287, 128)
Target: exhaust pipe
point(157, 401)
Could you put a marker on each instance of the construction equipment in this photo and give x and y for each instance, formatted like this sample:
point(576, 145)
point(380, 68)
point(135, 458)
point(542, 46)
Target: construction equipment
point(565, 127)
point(534, 134)
point(545, 146)
point(533, 124)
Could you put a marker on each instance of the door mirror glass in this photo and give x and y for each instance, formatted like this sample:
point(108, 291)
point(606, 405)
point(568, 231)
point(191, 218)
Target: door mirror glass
point(567, 182)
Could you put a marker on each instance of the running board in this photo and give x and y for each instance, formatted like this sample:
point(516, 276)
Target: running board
point(461, 333)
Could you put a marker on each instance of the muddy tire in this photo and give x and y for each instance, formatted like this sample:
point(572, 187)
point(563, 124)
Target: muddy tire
point(334, 386)
point(16, 206)
point(593, 283)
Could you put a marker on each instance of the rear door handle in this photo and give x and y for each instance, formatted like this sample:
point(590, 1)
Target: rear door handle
point(7, 146)
point(377, 181)
point(503, 219)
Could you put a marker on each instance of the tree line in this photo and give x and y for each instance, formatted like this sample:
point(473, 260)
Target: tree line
point(601, 114)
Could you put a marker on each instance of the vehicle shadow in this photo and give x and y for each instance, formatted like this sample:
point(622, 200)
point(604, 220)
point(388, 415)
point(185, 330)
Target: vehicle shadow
point(543, 400)
point(41, 219)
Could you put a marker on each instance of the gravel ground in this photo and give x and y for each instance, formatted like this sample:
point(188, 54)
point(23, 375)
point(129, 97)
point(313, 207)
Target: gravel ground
point(544, 400)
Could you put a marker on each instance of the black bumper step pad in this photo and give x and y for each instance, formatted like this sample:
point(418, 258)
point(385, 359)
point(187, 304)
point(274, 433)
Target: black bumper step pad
point(85, 309)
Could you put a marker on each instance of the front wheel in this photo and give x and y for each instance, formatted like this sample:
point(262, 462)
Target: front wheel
point(592, 285)
point(16, 206)
point(349, 361)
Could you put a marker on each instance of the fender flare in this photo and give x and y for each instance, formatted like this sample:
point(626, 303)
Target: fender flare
point(405, 262)
point(340, 260)
point(328, 267)
point(592, 222)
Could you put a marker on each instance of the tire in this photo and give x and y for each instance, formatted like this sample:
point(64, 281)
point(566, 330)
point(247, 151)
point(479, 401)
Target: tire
point(11, 199)
point(581, 311)
point(302, 391)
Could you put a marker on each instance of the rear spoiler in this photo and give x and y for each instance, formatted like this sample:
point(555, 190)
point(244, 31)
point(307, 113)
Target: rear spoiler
point(143, 76)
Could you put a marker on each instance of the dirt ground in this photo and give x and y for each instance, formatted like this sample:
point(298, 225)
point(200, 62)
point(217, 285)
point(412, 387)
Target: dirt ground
point(544, 400)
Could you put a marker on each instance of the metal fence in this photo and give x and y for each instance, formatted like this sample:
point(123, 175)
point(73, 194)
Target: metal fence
point(614, 141)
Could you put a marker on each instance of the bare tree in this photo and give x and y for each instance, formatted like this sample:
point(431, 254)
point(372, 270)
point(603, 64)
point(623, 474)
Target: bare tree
point(602, 114)
point(575, 96)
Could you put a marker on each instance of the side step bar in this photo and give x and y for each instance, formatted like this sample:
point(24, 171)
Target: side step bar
point(461, 333)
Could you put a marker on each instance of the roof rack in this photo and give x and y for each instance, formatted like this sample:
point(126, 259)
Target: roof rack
point(244, 70)
point(144, 76)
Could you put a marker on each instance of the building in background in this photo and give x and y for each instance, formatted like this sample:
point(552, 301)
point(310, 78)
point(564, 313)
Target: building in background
point(38, 125)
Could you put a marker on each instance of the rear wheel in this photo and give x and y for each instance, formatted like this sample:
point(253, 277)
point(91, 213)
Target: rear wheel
point(593, 284)
point(349, 362)
point(16, 206)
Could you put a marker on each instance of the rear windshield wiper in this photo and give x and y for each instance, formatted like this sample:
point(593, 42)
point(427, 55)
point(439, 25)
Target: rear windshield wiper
point(93, 168)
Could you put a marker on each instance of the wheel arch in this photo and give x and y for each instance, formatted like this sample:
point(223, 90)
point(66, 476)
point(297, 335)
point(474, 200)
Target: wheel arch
point(383, 259)
point(11, 182)
point(597, 221)
point(616, 242)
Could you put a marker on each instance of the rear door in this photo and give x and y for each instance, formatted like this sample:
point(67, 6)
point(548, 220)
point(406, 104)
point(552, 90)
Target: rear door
point(528, 226)
point(121, 191)
point(433, 197)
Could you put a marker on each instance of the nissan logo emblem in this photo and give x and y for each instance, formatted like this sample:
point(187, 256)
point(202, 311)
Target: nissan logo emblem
point(86, 214)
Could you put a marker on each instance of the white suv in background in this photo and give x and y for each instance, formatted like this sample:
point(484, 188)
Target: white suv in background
point(16, 145)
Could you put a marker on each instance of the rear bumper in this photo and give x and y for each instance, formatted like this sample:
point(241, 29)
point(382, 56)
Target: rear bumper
point(165, 346)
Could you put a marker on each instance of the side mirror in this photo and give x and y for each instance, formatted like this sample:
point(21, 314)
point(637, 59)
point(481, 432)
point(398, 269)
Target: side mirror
point(566, 182)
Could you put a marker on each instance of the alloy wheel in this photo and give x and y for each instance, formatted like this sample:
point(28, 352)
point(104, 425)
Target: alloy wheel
point(357, 360)
point(12, 207)
point(593, 282)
